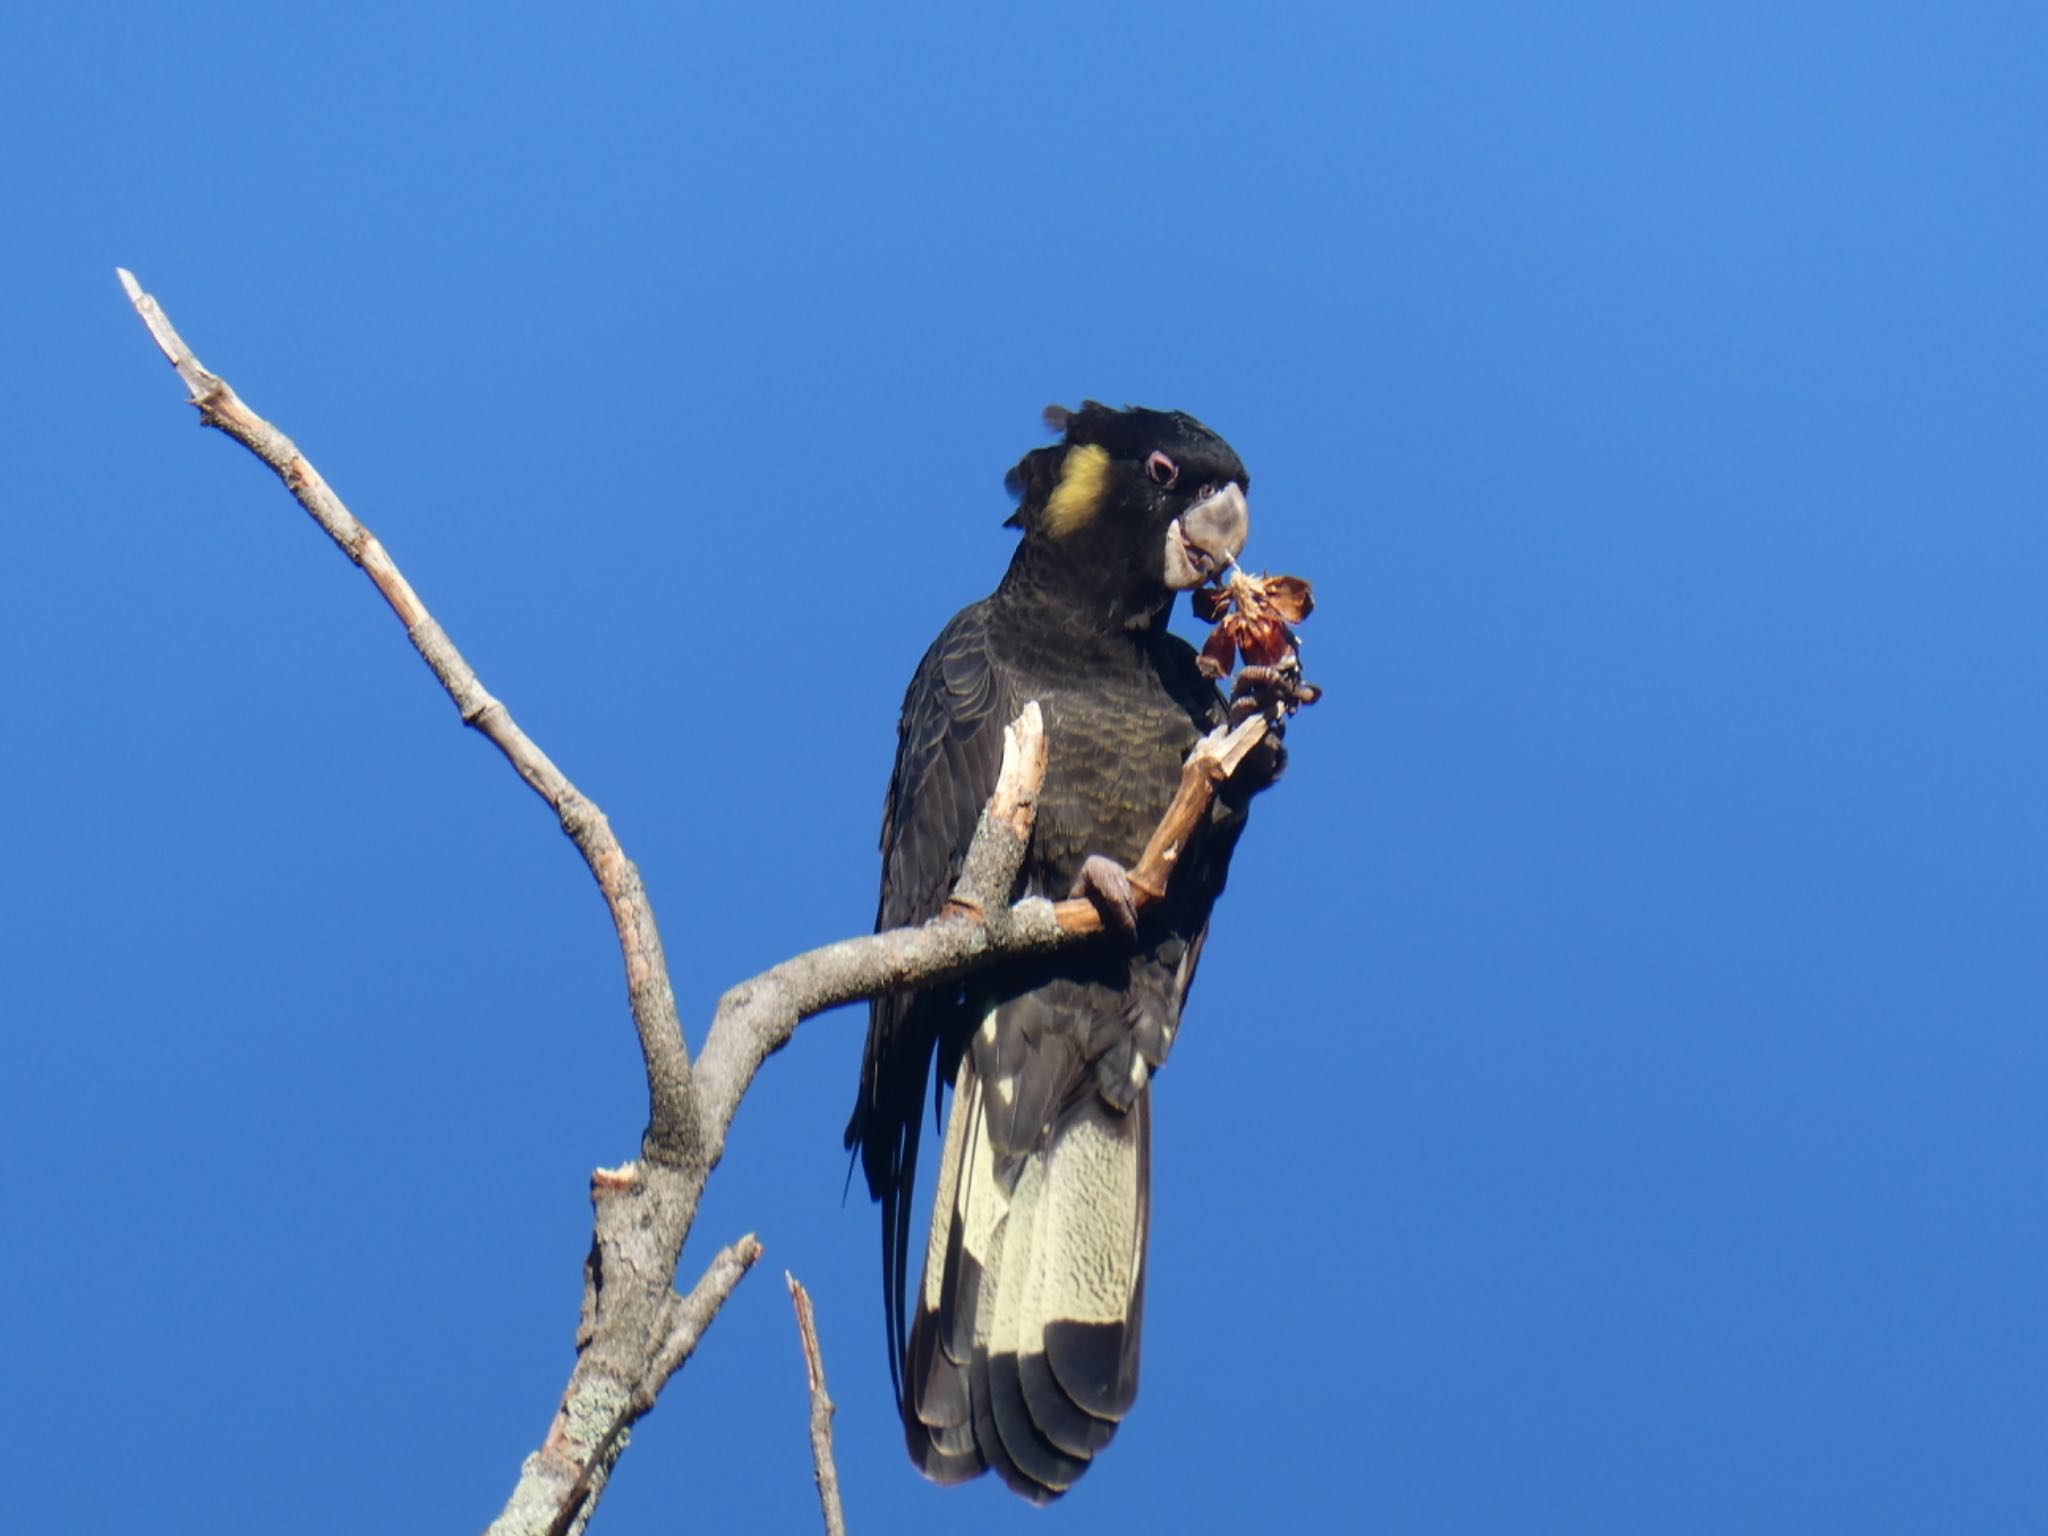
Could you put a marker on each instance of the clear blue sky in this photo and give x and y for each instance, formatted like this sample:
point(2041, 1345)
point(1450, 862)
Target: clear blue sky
point(1615, 1098)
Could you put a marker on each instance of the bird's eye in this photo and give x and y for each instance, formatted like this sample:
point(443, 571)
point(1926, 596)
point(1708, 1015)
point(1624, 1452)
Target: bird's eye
point(1162, 470)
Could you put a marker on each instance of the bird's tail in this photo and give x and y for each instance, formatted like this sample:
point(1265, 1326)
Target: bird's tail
point(1023, 1347)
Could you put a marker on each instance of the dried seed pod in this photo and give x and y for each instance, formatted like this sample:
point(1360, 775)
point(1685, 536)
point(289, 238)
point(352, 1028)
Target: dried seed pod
point(1254, 618)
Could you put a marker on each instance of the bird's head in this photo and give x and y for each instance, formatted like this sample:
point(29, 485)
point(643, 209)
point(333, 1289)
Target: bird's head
point(1129, 506)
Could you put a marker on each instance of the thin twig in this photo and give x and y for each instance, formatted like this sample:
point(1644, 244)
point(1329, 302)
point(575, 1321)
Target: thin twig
point(672, 1133)
point(826, 1472)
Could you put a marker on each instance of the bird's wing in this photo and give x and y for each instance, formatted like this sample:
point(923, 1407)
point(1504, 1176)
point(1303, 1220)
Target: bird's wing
point(948, 752)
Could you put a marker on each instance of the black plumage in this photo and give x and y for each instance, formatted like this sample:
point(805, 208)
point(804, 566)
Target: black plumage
point(1021, 1350)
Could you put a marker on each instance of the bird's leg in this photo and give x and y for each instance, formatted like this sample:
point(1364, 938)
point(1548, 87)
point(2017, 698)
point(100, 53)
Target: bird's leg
point(1108, 884)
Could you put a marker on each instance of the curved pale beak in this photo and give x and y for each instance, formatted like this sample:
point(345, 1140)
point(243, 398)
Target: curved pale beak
point(1206, 538)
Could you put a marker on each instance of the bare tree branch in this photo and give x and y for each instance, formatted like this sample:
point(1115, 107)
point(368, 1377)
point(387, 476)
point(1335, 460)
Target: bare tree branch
point(671, 1128)
point(826, 1472)
point(757, 1017)
point(560, 1484)
point(635, 1331)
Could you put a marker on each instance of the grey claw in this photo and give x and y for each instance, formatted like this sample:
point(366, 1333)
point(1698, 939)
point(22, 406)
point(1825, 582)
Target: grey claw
point(1108, 884)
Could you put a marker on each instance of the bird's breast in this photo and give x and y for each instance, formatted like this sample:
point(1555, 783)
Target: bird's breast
point(1115, 748)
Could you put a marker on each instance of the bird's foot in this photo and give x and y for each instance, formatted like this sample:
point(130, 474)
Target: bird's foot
point(1108, 884)
point(1273, 691)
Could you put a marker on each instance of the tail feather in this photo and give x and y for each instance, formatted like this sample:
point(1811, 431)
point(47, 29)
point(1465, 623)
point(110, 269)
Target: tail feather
point(1023, 1353)
point(938, 1410)
point(1018, 1332)
point(1099, 1194)
point(1065, 1422)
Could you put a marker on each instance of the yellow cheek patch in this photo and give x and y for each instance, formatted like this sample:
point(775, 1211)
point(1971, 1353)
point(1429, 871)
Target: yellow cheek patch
point(1078, 496)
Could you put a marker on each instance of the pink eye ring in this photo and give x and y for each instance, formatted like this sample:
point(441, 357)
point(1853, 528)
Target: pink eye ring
point(1164, 471)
